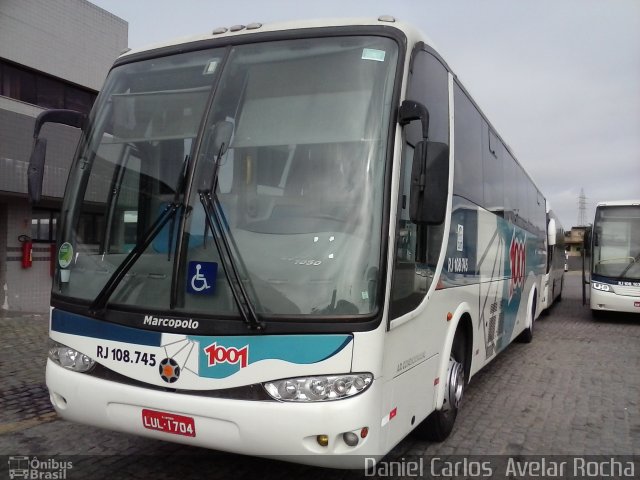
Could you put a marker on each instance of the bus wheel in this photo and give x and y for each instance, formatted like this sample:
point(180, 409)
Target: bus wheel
point(561, 287)
point(527, 334)
point(439, 424)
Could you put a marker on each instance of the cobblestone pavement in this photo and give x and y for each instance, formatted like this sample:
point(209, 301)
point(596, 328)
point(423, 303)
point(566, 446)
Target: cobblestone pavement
point(575, 390)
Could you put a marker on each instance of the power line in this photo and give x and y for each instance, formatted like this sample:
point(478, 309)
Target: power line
point(582, 208)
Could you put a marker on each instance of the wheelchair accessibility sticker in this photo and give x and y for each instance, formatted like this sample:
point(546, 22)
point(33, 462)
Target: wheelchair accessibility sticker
point(201, 278)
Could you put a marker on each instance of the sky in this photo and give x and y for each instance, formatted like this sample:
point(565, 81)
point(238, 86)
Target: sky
point(558, 79)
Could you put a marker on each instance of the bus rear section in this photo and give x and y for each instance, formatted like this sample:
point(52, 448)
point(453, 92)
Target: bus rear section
point(553, 281)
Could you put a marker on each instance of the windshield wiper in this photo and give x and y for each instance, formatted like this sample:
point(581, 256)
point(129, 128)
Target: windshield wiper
point(221, 240)
point(220, 138)
point(179, 190)
point(631, 264)
point(103, 297)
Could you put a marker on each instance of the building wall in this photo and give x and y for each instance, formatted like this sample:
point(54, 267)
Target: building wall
point(28, 289)
point(16, 141)
point(4, 304)
point(24, 289)
point(76, 42)
point(574, 240)
point(70, 39)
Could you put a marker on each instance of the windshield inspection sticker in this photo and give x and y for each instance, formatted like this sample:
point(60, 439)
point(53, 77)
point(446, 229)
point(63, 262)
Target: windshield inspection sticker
point(210, 67)
point(201, 278)
point(65, 254)
point(373, 54)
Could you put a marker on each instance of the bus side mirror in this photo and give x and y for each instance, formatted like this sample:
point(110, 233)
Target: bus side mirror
point(410, 111)
point(429, 183)
point(429, 172)
point(35, 173)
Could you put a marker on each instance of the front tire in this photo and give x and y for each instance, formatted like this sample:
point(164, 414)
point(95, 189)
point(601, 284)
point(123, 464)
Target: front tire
point(439, 424)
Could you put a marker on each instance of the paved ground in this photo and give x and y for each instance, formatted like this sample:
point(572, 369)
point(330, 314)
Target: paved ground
point(575, 390)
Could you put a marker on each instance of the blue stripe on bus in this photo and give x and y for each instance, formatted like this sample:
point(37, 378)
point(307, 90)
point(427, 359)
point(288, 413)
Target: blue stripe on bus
point(65, 322)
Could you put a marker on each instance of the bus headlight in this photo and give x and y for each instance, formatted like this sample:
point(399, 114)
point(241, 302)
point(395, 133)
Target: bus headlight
point(319, 388)
point(69, 358)
point(603, 287)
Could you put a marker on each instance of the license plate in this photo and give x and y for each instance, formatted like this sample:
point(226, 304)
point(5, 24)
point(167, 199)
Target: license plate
point(168, 423)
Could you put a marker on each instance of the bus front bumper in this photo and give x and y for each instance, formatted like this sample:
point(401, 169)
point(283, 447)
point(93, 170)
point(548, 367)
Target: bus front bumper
point(282, 430)
point(612, 302)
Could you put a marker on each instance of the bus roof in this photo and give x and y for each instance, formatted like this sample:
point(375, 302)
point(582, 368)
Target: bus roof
point(618, 203)
point(229, 31)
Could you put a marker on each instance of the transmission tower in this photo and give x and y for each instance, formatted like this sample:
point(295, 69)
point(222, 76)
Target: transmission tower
point(582, 208)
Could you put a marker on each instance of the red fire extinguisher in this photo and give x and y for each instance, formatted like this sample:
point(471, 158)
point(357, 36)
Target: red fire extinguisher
point(27, 251)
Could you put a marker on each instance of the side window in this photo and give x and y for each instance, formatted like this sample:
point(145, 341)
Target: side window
point(19, 84)
point(523, 197)
point(510, 187)
point(492, 170)
point(468, 178)
point(409, 287)
point(43, 225)
point(428, 85)
point(533, 206)
point(541, 216)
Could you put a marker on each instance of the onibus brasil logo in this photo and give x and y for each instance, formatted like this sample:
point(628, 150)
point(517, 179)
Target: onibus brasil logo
point(21, 466)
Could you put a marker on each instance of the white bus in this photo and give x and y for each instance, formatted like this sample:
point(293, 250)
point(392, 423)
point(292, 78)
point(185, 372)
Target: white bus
point(291, 240)
point(615, 258)
point(556, 262)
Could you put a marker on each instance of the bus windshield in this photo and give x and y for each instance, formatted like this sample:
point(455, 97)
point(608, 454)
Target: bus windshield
point(616, 243)
point(296, 181)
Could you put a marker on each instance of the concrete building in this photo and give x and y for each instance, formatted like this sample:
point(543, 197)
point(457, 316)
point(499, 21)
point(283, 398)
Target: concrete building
point(573, 244)
point(53, 54)
point(573, 240)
